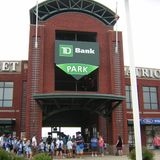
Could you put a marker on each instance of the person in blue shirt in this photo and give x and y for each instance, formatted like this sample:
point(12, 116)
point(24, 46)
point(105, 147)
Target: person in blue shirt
point(79, 144)
point(94, 145)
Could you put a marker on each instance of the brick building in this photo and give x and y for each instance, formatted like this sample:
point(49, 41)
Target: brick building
point(74, 77)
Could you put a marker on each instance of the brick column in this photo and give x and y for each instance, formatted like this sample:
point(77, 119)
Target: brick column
point(33, 111)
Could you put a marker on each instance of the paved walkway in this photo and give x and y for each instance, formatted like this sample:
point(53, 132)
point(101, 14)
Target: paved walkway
point(111, 157)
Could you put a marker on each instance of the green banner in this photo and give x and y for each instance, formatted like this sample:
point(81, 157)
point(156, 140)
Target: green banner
point(77, 58)
point(77, 68)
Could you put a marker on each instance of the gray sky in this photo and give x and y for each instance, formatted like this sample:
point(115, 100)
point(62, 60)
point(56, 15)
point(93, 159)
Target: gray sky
point(14, 30)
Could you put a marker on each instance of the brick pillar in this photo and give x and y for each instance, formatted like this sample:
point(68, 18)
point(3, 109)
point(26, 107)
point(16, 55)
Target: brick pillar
point(119, 114)
point(33, 111)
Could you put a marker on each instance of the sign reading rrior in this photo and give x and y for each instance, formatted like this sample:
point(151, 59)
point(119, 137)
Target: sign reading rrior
point(77, 58)
point(144, 72)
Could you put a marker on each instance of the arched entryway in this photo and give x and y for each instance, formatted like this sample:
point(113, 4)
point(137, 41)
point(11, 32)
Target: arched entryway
point(83, 110)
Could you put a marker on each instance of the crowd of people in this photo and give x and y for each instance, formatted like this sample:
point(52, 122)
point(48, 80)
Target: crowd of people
point(60, 147)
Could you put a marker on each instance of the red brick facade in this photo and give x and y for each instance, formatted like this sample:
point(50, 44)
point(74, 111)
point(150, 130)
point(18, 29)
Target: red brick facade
point(39, 77)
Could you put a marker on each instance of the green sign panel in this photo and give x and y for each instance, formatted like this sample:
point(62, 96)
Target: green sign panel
point(66, 50)
point(77, 58)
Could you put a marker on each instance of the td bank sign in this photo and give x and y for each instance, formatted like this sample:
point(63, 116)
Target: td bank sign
point(77, 58)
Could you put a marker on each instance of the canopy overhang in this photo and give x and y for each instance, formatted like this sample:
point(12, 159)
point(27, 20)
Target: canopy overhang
point(102, 104)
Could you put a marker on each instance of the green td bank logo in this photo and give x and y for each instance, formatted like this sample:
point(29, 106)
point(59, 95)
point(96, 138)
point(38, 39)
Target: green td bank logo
point(66, 50)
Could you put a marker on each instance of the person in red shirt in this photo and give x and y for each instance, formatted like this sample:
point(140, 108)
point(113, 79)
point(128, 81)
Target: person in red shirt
point(156, 142)
point(101, 145)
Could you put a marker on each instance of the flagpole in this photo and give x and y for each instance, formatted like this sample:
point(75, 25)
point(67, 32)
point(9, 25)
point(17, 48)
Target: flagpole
point(134, 93)
point(36, 39)
point(116, 17)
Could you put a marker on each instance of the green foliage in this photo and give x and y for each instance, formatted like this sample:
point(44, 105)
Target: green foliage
point(4, 155)
point(132, 155)
point(146, 154)
point(42, 156)
point(18, 158)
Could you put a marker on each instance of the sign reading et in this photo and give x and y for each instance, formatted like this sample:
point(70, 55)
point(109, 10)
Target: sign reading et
point(9, 66)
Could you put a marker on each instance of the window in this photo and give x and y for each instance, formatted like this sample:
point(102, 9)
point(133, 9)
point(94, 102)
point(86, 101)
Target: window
point(128, 97)
point(76, 36)
point(150, 98)
point(131, 140)
point(150, 131)
point(6, 94)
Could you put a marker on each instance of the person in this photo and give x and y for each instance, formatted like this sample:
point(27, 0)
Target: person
point(41, 146)
point(2, 140)
point(28, 149)
point(79, 144)
point(156, 142)
point(69, 148)
point(65, 139)
point(52, 148)
point(119, 146)
point(49, 140)
point(94, 146)
point(101, 145)
point(34, 144)
point(20, 148)
point(74, 145)
point(59, 148)
point(34, 141)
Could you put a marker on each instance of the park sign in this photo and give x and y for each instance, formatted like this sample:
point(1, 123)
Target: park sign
point(77, 58)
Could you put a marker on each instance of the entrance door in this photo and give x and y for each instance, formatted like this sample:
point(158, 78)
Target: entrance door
point(72, 118)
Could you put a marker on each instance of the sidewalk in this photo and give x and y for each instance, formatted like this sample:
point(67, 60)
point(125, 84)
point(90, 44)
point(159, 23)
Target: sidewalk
point(111, 157)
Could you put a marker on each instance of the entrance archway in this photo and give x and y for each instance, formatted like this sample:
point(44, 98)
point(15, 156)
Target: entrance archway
point(82, 110)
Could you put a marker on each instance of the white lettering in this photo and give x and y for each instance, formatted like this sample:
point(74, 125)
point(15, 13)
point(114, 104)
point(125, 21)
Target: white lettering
point(85, 69)
point(13, 66)
point(69, 68)
point(85, 51)
point(8, 66)
point(151, 73)
point(77, 69)
point(5, 66)
point(157, 73)
point(66, 50)
point(77, 50)
point(144, 72)
point(74, 69)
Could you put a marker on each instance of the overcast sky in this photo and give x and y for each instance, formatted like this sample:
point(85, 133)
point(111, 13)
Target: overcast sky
point(14, 29)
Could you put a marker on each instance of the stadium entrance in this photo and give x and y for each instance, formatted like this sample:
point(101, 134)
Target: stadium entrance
point(75, 78)
point(82, 110)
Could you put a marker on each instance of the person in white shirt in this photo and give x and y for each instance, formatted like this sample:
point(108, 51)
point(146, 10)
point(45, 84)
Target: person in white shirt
point(2, 140)
point(59, 147)
point(69, 148)
point(34, 145)
point(34, 141)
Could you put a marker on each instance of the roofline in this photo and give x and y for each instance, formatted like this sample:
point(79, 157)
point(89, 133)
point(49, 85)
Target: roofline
point(50, 8)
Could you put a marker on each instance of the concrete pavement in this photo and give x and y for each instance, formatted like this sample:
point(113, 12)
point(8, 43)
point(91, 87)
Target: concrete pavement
point(111, 157)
